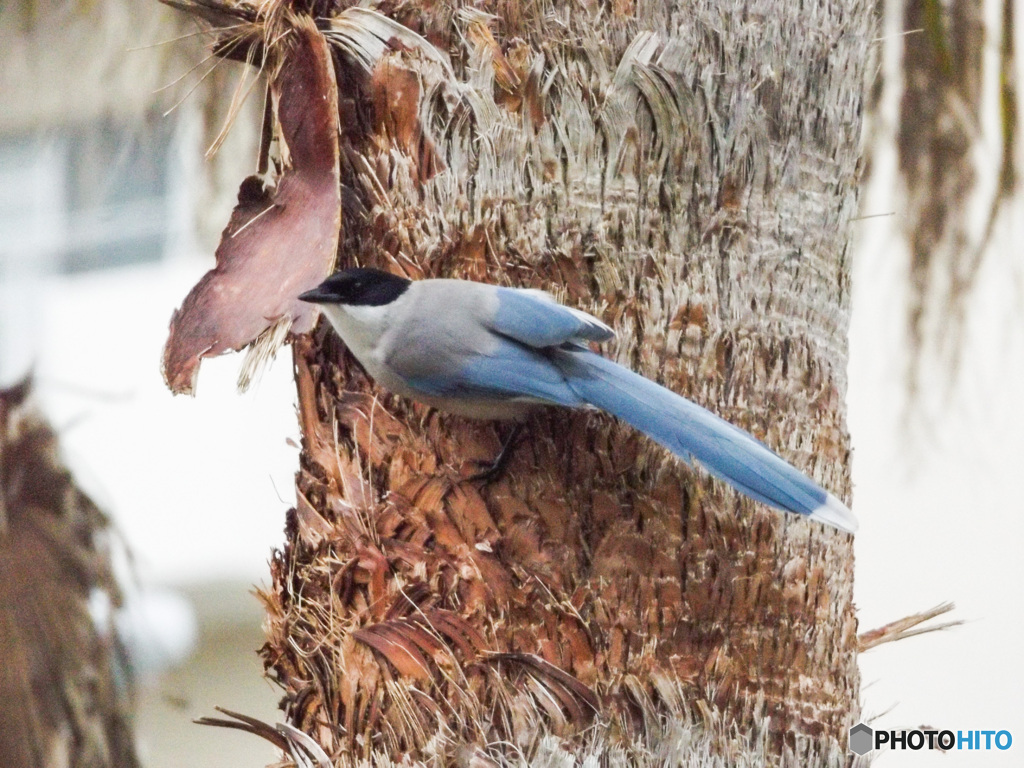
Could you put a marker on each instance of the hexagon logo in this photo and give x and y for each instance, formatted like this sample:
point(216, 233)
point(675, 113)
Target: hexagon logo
point(861, 738)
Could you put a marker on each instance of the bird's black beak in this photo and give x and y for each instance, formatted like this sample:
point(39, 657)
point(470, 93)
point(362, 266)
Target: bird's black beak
point(317, 296)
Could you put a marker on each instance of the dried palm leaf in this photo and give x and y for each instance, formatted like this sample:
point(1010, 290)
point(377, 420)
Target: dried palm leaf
point(65, 693)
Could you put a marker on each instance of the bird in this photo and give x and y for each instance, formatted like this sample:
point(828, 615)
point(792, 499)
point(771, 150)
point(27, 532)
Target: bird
point(493, 352)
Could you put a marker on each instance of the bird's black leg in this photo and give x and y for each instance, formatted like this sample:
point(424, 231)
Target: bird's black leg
point(494, 470)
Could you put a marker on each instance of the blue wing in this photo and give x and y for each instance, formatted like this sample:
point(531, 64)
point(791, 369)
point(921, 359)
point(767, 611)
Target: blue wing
point(508, 371)
point(535, 319)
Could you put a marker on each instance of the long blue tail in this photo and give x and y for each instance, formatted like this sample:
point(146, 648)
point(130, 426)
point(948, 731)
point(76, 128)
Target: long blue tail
point(693, 433)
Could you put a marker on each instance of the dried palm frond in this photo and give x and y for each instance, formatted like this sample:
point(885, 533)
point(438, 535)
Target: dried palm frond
point(300, 201)
point(218, 13)
point(287, 738)
point(65, 697)
point(256, 257)
point(908, 626)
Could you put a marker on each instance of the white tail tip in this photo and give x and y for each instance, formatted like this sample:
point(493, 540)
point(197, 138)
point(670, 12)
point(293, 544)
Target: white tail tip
point(833, 512)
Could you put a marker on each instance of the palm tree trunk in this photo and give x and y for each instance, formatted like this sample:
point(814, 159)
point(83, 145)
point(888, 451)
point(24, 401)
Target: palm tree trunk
point(687, 172)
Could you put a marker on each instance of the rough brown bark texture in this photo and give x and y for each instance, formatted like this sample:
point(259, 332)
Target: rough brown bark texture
point(686, 171)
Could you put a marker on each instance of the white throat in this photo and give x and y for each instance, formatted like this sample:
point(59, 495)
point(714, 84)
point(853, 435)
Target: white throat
point(361, 328)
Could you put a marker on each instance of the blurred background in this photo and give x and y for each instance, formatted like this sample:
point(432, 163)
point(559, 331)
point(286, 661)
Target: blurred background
point(109, 213)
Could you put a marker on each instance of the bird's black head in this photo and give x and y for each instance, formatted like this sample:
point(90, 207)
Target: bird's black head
point(358, 287)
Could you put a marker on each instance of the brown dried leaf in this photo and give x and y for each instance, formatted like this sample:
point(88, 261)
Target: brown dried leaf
point(456, 629)
point(906, 627)
point(247, 724)
point(549, 703)
point(575, 698)
point(407, 601)
point(374, 569)
point(414, 631)
point(402, 654)
point(280, 241)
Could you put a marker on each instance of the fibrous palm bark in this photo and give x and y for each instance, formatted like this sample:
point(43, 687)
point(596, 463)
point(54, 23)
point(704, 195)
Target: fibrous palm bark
point(686, 171)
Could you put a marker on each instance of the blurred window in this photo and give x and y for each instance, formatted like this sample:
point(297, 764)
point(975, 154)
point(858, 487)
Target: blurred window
point(86, 197)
